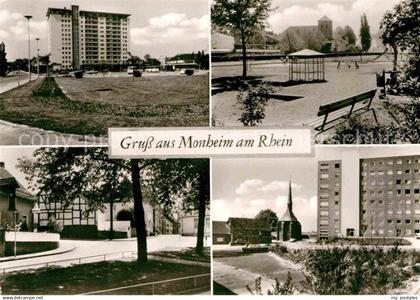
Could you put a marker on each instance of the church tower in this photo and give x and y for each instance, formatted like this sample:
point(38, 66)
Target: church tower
point(288, 226)
point(326, 27)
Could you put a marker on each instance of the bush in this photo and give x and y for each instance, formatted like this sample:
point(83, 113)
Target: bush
point(189, 72)
point(137, 73)
point(253, 100)
point(78, 74)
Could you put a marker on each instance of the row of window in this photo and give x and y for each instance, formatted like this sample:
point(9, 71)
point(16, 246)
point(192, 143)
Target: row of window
point(391, 162)
point(390, 172)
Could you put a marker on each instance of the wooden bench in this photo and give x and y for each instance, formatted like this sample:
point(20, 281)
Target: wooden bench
point(343, 109)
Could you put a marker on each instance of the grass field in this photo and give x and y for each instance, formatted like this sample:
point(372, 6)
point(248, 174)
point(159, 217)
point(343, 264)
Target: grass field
point(91, 105)
point(86, 278)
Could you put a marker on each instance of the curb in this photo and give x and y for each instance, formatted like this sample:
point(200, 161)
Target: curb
point(36, 255)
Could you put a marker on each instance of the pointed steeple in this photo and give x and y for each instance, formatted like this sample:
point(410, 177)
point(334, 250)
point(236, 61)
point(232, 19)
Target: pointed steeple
point(288, 215)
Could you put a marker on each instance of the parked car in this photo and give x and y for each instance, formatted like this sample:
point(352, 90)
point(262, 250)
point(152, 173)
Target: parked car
point(91, 72)
point(188, 72)
point(152, 70)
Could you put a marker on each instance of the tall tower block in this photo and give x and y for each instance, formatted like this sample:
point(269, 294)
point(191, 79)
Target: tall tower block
point(326, 27)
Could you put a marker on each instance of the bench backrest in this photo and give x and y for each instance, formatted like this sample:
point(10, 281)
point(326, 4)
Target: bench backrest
point(334, 106)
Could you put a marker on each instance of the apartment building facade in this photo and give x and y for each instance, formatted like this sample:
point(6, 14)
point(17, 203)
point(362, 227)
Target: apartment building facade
point(385, 201)
point(329, 195)
point(390, 196)
point(82, 38)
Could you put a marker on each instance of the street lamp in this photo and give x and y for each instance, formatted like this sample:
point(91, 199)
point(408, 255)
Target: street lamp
point(37, 57)
point(29, 48)
point(35, 212)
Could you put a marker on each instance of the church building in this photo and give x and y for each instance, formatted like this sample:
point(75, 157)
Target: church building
point(288, 226)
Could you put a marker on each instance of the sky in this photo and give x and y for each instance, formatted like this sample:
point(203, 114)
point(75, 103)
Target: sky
point(243, 187)
point(157, 27)
point(341, 12)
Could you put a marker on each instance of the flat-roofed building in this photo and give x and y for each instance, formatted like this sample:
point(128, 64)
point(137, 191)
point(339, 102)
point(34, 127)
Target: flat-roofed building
point(78, 37)
point(329, 199)
point(380, 197)
point(390, 196)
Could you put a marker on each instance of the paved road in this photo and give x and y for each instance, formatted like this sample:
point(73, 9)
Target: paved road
point(10, 82)
point(235, 273)
point(90, 248)
point(15, 134)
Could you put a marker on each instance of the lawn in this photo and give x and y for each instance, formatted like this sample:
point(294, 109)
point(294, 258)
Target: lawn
point(91, 105)
point(185, 254)
point(86, 278)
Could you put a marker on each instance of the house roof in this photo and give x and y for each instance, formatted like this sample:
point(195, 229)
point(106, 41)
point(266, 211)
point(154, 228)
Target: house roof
point(325, 18)
point(4, 174)
point(220, 227)
point(7, 179)
point(306, 53)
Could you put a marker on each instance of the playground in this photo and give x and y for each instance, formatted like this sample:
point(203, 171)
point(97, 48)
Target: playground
point(344, 77)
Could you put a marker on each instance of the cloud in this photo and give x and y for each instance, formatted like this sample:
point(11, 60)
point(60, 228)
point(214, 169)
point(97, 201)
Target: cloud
point(174, 29)
point(247, 186)
point(279, 186)
point(16, 26)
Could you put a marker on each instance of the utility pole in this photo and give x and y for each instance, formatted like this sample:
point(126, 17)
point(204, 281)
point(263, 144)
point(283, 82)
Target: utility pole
point(29, 48)
point(37, 57)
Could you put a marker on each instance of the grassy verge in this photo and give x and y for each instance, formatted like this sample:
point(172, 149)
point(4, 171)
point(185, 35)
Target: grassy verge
point(99, 276)
point(43, 104)
point(186, 254)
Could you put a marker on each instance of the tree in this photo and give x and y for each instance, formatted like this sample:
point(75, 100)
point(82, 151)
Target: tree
point(3, 60)
point(67, 173)
point(365, 38)
point(269, 216)
point(400, 28)
point(349, 35)
point(184, 179)
point(241, 18)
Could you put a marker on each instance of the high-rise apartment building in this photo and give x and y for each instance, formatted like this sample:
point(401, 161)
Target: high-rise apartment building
point(329, 195)
point(78, 37)
point(390, 196)
point(385, 201)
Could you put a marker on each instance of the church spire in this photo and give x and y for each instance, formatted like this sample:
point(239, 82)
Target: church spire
point(289, 201)
point(288, 215)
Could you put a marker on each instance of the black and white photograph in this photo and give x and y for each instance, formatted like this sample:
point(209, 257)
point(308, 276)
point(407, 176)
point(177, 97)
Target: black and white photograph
point(343, 222)
point(74, 222)
point(348, 69)
point(69, 70)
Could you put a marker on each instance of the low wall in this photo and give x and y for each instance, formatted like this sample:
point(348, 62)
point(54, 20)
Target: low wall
point(118, 226)
point(30, 242)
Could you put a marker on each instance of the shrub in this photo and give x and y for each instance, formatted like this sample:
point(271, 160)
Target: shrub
point(253, 100)
point(78, 74)
point(287, 288)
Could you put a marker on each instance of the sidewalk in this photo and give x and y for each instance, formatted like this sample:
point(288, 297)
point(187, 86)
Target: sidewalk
point(60, 250)
point(11, 82)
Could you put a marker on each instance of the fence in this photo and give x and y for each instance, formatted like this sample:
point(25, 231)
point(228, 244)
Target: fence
point(164, 287)
point(77, 261)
